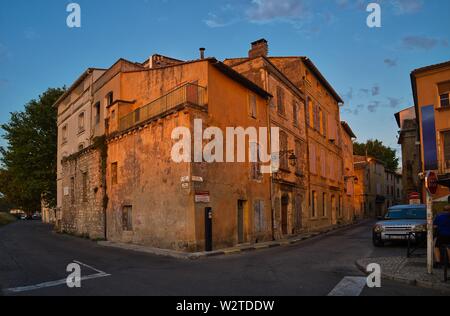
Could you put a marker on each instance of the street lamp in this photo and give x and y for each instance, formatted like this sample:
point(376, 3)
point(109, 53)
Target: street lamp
point(292, 157)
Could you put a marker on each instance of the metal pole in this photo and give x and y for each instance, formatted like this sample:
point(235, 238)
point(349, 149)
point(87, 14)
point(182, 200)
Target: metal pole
point(430, 252)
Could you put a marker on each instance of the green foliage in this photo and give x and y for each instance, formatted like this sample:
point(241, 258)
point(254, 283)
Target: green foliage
point(378, 150)
point(29, 160)
point(6, 218)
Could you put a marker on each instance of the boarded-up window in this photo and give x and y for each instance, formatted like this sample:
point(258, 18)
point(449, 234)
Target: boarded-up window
point(64, 133)
point(81, 122)
point(252, 105)
point(446, 137)
point(323, 163)
point(85, 186)
point(314, 204)
point(127, 218)
point(311, 113)
point(280, 100)
point(97, 112)
point(256, 162)
point(114, 177)
point(312, 158)
point(259, 217)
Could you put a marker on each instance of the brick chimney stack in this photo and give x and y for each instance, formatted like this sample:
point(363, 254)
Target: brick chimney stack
point(259, 48)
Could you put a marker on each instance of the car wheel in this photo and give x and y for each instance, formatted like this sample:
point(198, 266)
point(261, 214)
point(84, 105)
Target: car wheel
point(377, 242)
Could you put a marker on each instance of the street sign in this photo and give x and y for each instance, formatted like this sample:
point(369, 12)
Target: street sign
point(431, 182)
point(414, 198)
point(202, 197)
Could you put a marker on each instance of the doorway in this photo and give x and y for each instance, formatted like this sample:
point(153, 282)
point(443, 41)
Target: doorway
point(284, 214)
point(208, 229)
point(240, 221)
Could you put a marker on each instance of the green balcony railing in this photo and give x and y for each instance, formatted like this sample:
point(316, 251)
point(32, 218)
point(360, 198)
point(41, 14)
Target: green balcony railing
point(188, 94)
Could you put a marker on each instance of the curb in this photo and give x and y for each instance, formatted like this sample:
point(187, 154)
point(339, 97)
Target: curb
point(226, 252)
point(412, 282)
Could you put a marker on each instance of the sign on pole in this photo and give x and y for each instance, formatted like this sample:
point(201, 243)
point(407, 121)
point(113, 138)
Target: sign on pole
point(431, 184)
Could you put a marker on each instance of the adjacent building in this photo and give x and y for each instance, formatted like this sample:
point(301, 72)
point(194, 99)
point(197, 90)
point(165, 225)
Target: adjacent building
point(431, 90)
point(352, 212)
point(410, 146)
point(325, 177)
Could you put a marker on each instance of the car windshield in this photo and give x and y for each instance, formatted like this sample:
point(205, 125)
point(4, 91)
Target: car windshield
point(415, 213)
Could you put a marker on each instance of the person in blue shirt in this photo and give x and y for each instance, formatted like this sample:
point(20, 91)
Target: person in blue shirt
point(442, 226)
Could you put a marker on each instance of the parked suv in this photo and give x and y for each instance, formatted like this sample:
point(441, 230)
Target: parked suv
point(400, 222)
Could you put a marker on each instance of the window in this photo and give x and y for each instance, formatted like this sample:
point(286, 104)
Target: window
point(446, 138)
point(81, 122)
point(256, 162)
point(321, 125)
point(85, 187)
point(72, 190)
point(64, 134)
point(308, 76)
point(113, 114)
point(295, 110)
point(312, 158)
point(324, 203)
point(314, 205)
point(340, 206)
point(114, 177)
point(259, 216)
point(80, 147)
point(127, 218)
point(97, 112)
point(109, 99)
point(252, 105)
point(444, 94)
point(280, 100)
point(284, 164)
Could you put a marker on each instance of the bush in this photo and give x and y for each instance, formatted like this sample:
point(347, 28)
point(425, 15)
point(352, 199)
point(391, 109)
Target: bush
point(6, 218)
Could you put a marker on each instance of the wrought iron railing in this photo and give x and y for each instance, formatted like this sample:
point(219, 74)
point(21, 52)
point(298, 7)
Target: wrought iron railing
point(187, 94)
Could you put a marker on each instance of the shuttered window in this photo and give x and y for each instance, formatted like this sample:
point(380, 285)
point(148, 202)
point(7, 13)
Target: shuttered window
point(127, 218)
point(312, 158)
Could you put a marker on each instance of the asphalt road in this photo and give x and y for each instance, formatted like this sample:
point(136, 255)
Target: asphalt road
point(31, 254)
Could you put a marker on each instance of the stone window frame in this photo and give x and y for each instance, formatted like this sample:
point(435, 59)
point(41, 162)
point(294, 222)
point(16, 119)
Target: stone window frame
point(127, 218)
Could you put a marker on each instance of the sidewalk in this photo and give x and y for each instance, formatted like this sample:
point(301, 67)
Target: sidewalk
point(229, 251)
point(412, 271)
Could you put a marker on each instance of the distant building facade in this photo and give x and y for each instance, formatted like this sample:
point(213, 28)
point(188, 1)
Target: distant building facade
point(410, 146)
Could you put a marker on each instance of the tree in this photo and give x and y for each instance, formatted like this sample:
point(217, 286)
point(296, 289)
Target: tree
point(378, 150)
point(28, 171)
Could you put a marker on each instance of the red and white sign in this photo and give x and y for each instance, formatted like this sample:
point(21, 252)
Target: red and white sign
point(202, 197)
point(414, 198)
point(431, 182)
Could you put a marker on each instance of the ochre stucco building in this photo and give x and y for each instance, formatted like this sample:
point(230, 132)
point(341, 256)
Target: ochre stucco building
point(117, 178)
point(431, 90)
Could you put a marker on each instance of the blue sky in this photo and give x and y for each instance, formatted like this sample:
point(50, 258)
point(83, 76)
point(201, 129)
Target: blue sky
point(368, 67)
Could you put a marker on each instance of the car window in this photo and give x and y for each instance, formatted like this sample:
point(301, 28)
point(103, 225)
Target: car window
point(407, 214)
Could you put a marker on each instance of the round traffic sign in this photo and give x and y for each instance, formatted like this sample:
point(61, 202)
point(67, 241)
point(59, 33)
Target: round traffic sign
point(431, 182)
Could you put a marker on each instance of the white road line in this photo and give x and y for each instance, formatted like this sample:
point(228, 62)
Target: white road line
point(349, 286)
point(98, 275)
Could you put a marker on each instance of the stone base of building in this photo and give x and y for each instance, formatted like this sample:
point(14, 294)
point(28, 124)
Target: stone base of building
point(82, 211)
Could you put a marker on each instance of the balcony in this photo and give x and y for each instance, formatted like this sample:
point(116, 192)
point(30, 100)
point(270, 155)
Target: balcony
point(186, 95)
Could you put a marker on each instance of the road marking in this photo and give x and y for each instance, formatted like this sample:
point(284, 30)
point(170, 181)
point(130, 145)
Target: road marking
point(349, 286)
point(99, 274)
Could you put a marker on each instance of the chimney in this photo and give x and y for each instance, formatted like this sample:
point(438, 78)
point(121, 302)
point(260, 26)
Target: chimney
point(202, 53)
point(259, 48)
